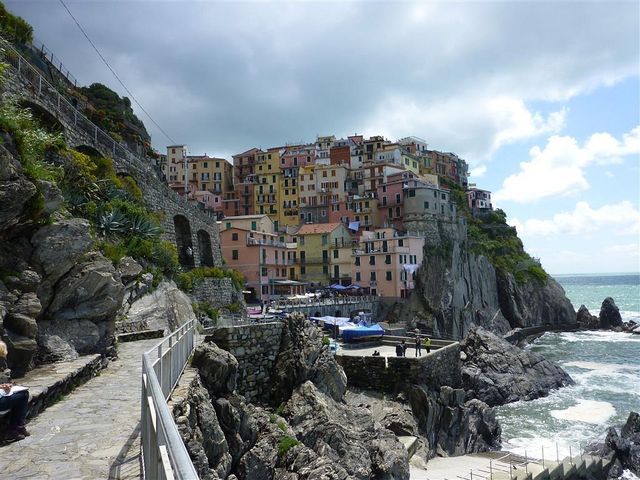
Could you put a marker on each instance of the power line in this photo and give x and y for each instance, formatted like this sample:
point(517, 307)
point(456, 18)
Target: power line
point(115, 74)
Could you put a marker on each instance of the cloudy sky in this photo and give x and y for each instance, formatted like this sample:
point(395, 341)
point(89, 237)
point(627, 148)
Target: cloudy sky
point(541, 98)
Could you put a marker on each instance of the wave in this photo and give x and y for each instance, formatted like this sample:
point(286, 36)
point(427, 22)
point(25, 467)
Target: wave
point(599, 336)
point(628, 475)
point(588, 411)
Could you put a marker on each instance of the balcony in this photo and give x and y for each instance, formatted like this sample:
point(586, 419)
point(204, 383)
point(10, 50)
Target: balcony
point(266, 243)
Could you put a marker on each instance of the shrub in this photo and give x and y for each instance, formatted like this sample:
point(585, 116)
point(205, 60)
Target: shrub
point(285, 444)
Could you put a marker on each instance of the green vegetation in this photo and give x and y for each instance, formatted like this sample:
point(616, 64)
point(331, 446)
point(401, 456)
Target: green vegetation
point(206, 309)
point(186, 280)
point(14, 27)
point(282, 425)
point(488, 234)
point(114, 114)
point(285, 444)
point(325, 340)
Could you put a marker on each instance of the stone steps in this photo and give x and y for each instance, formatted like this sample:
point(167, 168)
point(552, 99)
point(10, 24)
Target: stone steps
point(410, 443)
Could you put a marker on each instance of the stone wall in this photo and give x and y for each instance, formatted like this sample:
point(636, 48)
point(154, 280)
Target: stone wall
point(256, 348)
point(392, 374)
point(217, 292)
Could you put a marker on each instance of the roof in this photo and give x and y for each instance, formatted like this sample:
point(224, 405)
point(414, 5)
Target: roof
point(245, 217)
point(314, 228)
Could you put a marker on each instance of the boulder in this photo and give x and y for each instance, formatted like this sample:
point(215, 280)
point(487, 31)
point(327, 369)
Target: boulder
point(610, 314)
point(497, 372)
point(92, 290)
point(167, 307)
point(585, 320)
point(57, 248)
point(52, 196)
point(346, 435)
point(303, 357)
point(26, 281)
point(217, 368)
point(22, 351)
point(623, 449)
point(129, 269)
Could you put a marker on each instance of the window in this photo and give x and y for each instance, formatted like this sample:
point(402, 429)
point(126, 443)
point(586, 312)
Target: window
point(373, 276)
point(234, 254)
point(325, 239)
point(358, 277)
point(412, 193)
point(234, 237)
point(265, 289)
point(253, 225)
point(228, 224)
point(387, 259)
point(357, 261)
point(301, 241)
point(384, 201)
point(335, 253)
point(303, 270)
point(325, 269)
point(324, 173)
point(426, 205)
point(397, 198)
point(263, 271)
point(205, 165)
point(372, 260)
point(388, 276)
point(401, 242)
point(443, 196)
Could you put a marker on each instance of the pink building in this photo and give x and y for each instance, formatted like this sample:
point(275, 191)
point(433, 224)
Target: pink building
point(263, 260)
point(479, 199)
point(212, 202)
point(385, 262)
point(391, 199)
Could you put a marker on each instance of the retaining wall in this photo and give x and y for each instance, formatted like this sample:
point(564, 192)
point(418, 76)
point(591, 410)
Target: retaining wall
point(256, 348)
point(392, 374)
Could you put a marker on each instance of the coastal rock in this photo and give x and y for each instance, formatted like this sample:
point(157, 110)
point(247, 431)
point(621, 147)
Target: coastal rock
point(452, 426)
point(21, 317)
point(623, 449)
point(52, 196)
point(22, 351)
point(346, 435)
point(610, 314)
point(497, 372)
point(302, 357)
point(217, 367)
point(129, 269)
point(167, 307)
point(585, 320)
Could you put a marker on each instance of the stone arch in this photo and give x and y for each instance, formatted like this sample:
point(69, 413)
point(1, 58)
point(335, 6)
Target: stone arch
point(89, 151)
point(183, 241)
point(48, 120)
point(204, 248)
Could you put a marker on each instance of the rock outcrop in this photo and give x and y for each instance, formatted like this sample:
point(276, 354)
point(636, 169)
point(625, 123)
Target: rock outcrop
point(610, 314)
point(585, 320)
point(497, 372)
point(457, 289)
point(167, 307)
point(622, 448)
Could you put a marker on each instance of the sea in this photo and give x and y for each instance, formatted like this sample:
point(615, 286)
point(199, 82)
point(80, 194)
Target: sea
point(605, 366)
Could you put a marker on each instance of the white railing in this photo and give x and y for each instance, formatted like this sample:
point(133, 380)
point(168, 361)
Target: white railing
point(164, 455)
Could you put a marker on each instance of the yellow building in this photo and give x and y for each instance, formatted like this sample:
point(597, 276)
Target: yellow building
point(324, 254)
point(266, 193)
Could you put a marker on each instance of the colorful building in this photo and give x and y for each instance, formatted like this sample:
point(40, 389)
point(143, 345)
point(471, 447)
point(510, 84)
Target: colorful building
point(479, 199)
point(385, 262)
point(323, 253)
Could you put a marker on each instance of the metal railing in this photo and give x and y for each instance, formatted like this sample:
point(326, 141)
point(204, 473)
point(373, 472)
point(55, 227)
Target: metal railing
point(164, 455)
point(313, 302)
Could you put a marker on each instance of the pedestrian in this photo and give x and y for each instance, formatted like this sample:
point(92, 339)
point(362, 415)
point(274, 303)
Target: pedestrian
point(427, 344)
point(16, 400)
point(404, 348)
point(418, 346)
point(399, 350)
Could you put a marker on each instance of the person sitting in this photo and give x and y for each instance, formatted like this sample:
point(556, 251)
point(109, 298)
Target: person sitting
point(16, 402)
point(376, 353)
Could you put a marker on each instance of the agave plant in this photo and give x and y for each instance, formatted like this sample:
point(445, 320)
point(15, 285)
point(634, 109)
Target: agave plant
point(142, 227)
point(111, 222)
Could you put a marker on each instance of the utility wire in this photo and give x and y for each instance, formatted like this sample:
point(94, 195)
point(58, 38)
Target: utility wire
point(115, 74)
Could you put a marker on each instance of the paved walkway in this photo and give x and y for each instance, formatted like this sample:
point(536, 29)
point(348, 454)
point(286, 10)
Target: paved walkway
point(90, 434)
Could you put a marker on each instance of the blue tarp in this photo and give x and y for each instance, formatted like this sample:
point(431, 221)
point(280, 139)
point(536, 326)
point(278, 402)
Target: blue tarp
point(352, 333)
point(337, 286)
point(354, 226)
point(353, 287)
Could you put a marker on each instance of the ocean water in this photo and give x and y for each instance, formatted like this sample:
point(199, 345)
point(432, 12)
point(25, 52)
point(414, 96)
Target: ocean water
point(605, 366)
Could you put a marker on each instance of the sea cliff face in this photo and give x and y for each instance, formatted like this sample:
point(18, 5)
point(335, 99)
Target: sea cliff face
point(457, 288)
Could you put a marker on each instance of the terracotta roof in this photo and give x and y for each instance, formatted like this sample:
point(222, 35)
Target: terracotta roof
point(312, 228)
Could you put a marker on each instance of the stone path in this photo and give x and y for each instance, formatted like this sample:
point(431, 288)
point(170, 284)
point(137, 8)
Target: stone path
point(93, 433)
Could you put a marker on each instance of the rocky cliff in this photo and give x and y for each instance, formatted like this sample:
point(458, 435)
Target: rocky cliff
point(458, 286)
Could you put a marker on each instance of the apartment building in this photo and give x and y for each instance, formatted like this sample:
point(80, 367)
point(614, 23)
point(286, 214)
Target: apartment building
point(479, 199)
point(385, 261)
point(324, 253)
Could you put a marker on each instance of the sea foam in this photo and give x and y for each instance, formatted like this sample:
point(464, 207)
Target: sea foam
point(588, 411)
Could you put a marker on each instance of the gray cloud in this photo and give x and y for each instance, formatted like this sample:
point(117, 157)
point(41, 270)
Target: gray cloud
point(223, 77)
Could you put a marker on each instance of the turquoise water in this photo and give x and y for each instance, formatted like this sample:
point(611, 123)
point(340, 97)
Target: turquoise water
point(604, 365)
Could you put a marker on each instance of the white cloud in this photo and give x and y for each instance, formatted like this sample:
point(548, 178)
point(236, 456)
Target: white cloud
point(631, 250)
point(619, 219)
point(558, 169)
point(478, 171)
point(609, 174)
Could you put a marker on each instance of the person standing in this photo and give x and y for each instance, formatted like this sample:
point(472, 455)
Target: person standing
point(404, 348)
point(399, 350)
point(427, 344)
point(418, 345)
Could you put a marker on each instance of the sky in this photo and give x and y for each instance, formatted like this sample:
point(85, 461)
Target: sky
point(541, 98)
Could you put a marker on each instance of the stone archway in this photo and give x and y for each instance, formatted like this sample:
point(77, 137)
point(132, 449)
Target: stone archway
point(204, 248)
point(88, 151)
point(183, 241)
point(46, 119)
